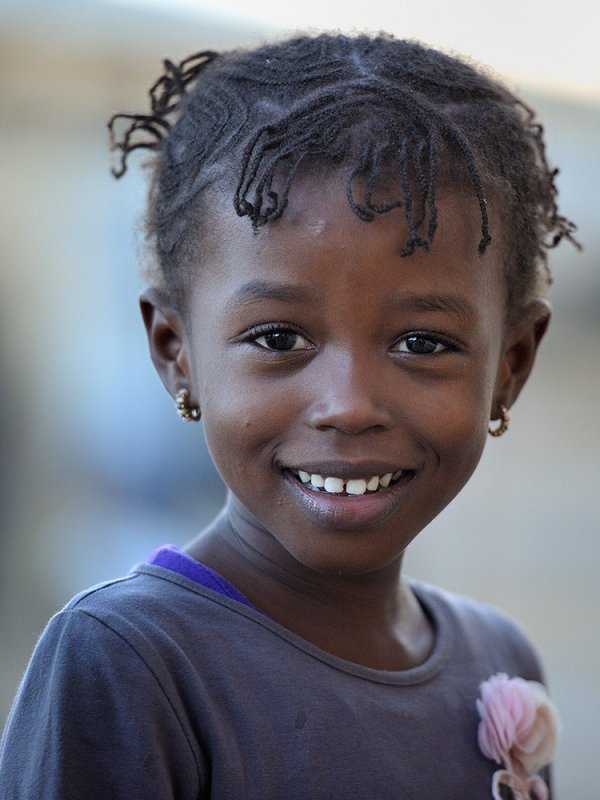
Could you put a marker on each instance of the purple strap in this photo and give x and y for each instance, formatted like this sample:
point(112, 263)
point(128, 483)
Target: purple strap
point(177, 560)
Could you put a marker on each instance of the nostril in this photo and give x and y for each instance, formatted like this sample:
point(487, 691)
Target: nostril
point(350, 425)
point(349, 415)
point(347, 394)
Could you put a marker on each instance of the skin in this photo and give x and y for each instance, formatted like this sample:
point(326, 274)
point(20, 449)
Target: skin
point(356, 393)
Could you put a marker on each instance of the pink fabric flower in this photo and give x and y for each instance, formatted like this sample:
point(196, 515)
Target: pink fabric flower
point(518, 729)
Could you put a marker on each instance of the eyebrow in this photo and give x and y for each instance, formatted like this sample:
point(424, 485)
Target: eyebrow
point(441, 302)
point(269, 290)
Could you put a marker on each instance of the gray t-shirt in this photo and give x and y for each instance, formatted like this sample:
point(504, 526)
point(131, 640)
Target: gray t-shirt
point(155, 687)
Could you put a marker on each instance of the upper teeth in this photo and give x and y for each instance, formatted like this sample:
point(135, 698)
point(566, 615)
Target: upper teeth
point(354, 486)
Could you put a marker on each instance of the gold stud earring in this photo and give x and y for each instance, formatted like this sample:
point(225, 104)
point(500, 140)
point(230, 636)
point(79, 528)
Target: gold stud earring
point(184, 409)
point(504, 423)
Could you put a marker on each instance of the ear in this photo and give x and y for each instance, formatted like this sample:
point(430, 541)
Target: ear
point(520, 347)
point(168, 342)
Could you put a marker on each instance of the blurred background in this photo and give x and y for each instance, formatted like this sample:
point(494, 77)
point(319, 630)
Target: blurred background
point(95, 467)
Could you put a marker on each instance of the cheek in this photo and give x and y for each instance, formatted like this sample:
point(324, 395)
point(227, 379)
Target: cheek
point(464, 437)
point(464, 417)
point(244, 424)
point(453, 422)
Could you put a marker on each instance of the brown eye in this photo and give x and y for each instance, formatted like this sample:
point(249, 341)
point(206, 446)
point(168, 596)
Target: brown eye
point(420, 345)
point(282, 341)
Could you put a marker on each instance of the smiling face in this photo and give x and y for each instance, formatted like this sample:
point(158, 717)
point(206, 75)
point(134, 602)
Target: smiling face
point(345, 391)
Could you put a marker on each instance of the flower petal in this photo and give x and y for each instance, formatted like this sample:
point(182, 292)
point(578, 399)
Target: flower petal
point(519, 725)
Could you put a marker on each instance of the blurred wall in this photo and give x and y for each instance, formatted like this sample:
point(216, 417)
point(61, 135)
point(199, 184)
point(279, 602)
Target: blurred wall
point(96, 468)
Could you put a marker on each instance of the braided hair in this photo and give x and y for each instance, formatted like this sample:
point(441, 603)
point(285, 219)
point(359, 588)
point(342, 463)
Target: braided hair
point(394, 115)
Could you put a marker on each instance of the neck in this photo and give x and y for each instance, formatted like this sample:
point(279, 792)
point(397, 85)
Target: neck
point(372, 619)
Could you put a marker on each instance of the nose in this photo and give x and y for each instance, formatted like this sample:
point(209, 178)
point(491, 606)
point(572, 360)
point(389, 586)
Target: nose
point(348, 395)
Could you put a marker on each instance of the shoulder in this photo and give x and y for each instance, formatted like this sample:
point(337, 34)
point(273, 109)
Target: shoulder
point(146, 618)
point(103, 641)
point(120, 640)
point(133, 591)
point(158, 623)
point(98, 692)
point(148, 595)
point(481, 632)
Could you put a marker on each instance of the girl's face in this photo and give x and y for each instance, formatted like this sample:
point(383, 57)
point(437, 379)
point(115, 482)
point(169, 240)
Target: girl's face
point(314, 349)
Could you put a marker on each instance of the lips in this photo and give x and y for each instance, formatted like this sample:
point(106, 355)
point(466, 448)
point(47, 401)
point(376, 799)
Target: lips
point(355, 487)
point(351, 497)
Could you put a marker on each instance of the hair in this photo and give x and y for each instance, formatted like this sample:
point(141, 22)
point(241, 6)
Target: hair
point(401, 120)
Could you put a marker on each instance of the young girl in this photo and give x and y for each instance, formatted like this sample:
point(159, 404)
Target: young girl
point(350, 237)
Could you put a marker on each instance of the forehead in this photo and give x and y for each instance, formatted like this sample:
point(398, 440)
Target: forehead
point(320, 240)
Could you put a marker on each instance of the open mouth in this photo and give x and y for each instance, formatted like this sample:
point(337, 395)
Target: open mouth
point(353, 487)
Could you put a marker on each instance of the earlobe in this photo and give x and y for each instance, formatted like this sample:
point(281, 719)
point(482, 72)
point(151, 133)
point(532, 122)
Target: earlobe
point(167, 340)
point(520, 349)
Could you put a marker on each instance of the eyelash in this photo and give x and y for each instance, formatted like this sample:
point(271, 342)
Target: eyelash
point(448, 343)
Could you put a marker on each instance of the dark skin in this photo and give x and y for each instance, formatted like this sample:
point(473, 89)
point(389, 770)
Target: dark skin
point(313, 347)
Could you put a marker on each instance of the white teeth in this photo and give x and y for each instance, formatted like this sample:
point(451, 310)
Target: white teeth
point(373, 483)
point(356, 486)
point(334, 485)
